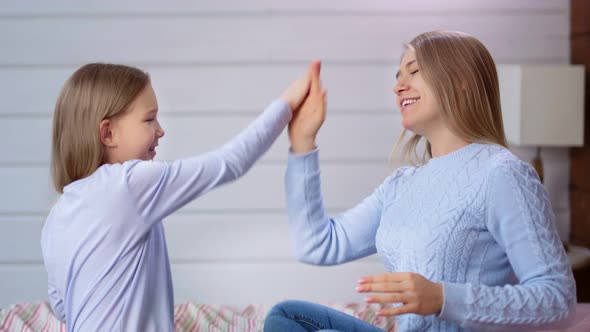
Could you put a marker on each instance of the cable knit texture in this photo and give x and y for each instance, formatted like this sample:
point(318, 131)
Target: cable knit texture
point(477, 220)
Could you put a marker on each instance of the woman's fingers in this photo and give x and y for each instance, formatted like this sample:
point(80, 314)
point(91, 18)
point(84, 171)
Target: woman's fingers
point(381, 287)
point(387, 277)
point(395, 311)
point(418, 294)
point(314, 72)
point(388, 298)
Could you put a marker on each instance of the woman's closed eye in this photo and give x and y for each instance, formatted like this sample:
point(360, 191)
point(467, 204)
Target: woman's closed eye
point(414, 71)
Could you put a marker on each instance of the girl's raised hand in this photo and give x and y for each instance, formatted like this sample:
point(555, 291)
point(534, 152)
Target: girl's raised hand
point(308, 120)
point(298, 90)
point(417, 294)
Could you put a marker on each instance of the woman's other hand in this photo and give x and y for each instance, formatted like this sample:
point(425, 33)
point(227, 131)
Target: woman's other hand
point(417, 294)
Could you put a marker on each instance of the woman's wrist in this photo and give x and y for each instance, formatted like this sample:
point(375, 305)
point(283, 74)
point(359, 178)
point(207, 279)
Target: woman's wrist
point(440, 299)
point(302, 146)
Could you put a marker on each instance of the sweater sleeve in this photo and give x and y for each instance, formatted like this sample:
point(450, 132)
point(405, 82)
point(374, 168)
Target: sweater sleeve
point(520, 218)
point(161, 188)
point(318, 239)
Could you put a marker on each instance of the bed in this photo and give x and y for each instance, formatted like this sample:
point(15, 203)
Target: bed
point(190, 316)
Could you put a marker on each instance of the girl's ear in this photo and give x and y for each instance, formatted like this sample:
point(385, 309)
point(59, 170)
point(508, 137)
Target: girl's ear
point(105, 129)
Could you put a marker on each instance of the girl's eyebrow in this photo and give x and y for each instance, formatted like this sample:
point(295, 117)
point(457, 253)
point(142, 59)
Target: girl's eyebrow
point(407, 65)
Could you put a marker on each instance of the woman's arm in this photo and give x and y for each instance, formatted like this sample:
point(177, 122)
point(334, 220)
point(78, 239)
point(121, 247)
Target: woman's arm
point(317, 238)
point(521, 220)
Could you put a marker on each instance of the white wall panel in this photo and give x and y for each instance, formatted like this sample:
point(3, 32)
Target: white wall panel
point(141, 7)
point(217, 89)
point(221, 283)
point(215, 65)
point(192, 237)
point(164, 40)
point(352, 136)
point(344, 184)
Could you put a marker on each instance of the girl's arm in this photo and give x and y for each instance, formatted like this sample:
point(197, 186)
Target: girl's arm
point(161, 188)
point(56, 303)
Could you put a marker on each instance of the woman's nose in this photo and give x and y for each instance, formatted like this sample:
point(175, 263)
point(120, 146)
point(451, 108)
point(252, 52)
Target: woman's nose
point(399, 87)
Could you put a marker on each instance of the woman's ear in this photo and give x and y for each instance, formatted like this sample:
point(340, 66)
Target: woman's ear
point(105, 129)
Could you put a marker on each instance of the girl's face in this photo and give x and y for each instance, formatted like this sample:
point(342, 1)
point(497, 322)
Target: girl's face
point(136, 132)
point(419, 107)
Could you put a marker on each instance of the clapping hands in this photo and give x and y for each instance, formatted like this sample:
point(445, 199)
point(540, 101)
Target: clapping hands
point(307, 99)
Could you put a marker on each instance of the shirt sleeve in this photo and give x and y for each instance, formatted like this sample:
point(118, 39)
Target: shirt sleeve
point(161, 188)
point(317, 238)
point(520, 218)
point(56, 303)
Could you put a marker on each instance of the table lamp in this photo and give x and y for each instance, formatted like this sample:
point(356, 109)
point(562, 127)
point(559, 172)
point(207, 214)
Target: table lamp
point(543, 106)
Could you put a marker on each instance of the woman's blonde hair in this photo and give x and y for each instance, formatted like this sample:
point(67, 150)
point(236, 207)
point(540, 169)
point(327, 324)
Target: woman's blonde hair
point(462, 74)
point(93, 93)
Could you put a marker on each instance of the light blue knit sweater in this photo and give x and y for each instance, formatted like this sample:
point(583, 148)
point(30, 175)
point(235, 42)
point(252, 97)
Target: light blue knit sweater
point(478, 220)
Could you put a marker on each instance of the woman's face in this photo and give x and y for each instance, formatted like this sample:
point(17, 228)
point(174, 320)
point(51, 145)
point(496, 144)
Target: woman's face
point(418, 105)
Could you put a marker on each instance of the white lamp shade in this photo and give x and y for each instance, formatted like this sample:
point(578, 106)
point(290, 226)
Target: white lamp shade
point(543, 105)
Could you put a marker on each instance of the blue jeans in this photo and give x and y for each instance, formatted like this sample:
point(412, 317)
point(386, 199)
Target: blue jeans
point(293, 316)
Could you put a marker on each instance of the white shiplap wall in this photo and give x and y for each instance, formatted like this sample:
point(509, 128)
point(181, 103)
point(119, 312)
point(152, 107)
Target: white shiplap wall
point(215, 65)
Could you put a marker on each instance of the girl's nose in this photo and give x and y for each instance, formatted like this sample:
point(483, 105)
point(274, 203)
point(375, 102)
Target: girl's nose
point(160, 131)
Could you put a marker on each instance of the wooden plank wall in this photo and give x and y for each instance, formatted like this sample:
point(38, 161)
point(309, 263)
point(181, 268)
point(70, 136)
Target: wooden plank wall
point(215, 65)
point(580, 157)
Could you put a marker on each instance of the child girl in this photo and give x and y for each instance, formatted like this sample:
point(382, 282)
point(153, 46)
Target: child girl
point(103, 242)
point(467, 236)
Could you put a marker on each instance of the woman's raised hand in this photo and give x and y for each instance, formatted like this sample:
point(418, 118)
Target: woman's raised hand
point(308, 119)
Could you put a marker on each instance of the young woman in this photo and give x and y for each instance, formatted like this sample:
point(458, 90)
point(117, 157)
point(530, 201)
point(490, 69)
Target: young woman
point(467, 235)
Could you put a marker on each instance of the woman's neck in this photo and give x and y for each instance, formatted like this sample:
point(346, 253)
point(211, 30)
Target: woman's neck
point(445, 142)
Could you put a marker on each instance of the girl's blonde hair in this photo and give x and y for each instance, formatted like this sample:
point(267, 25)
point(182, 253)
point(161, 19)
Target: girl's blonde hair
point(93, 93)
point(462, 74)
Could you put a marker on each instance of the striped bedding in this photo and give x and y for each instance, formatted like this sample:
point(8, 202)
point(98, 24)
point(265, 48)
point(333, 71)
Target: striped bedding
point(29, 317)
